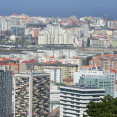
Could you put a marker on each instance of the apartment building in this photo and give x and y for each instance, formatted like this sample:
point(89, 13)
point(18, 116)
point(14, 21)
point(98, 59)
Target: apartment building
point(5, 93)
point(54, 34)
point(73, 100)
point(54, 96)
point(67, 70)
point(107, 62)
point(32, 95)
point(98, 79)
point(55, 74)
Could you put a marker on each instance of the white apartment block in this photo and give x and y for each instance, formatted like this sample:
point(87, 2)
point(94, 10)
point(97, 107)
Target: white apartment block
point(54, 96)
point(62, 60)
point(68, 53)
point(73, 100)
point(54, 34)
point(55, 74)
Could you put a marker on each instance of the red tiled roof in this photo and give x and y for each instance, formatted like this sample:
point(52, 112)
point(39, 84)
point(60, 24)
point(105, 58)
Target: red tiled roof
point(51, 57)
point(11, 63)
point(68, 80)
point(3, 63)
point(113, 70)
point(95, 59)
point(18, 59)
point(75, 57)
point(7, 59)
point(52, 62)
point(90, 66)
point(30, 61)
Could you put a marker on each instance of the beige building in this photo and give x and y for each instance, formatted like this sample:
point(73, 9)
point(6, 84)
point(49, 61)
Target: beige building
point(67, 70)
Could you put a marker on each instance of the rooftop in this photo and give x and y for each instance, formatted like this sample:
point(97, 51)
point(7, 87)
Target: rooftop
point(68, 80)
point(30, 61)
point(82, 87)
point(33, 74)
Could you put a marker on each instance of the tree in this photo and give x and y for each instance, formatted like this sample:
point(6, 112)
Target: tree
point(107, 107)
point(86, 60)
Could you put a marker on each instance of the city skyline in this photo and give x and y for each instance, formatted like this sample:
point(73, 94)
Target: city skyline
point(58, 58)
point(60, 8)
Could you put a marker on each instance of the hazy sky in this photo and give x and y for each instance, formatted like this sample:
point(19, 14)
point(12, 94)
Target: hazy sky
point(60, 8)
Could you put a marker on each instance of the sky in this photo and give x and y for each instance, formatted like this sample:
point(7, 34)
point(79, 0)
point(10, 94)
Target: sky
point(60, 8)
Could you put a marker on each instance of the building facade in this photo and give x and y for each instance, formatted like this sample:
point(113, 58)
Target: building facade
point(107, 62)
point(32, 95)
point(5, 93)
point(54, 34)
point(55, 74)
point(73, 100)
point(67, 70)
point(98, 79)
point(96, 82)
point(54, 96)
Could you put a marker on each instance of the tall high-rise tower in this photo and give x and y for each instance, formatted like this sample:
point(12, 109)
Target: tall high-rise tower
point(32, 95)
point(5, 93)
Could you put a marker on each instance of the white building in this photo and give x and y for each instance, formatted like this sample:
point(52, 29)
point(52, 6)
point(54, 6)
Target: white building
point(54, 34)
point(75, 60)
point(85, 29)
point(55, 74)
point(68, 53)
point(73, 100)
point(100, 22)
point(4, 24)
point(54, 96)
point(80, 73)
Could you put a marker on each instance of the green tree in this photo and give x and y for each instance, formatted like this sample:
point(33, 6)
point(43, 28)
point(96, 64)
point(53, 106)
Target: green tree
point(86, 60)
point(107, 107)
